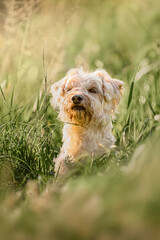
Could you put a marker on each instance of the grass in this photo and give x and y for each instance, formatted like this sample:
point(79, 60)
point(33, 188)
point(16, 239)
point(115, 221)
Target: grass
point(116, 196)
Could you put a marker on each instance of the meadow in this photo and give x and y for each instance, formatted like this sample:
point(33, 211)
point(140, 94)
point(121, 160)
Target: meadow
point(116, 196)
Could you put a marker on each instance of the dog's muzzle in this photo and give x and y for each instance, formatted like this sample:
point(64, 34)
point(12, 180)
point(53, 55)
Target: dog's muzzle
point(76, 99)
point(77, 103)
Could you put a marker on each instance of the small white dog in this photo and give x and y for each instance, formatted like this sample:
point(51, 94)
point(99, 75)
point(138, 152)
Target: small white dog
point(86, 101)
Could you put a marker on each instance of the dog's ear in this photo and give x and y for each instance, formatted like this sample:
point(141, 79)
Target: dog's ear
point(57, 92)
point(112, 89)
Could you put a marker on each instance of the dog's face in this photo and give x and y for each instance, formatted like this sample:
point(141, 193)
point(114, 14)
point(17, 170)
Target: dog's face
point(83, 97)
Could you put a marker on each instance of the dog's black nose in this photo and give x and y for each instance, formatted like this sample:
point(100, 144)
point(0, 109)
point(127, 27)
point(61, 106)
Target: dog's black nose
point(77, 98)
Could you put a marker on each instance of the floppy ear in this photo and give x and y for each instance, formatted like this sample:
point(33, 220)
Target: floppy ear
point(57, 92)
point(112, 89)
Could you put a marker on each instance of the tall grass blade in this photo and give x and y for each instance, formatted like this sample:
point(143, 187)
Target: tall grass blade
point(3, 94)
point(130, 94)
point(151, 107)
point(12, 96)
point(132, 87)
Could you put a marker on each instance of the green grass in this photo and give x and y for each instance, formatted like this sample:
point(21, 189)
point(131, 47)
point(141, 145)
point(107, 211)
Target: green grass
point(116, 196)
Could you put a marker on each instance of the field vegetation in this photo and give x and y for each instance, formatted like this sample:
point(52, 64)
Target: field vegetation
point(116, 196)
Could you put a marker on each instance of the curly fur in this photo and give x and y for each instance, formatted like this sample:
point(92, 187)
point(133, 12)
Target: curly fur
point(88, 129)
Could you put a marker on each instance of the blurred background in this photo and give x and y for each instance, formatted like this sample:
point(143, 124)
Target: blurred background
point(114, 197)
point(115, 35)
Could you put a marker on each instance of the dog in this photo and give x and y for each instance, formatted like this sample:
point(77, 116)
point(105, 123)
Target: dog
point(86, 101)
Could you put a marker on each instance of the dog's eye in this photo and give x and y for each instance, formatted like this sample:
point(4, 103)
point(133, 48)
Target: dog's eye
point(93, 90)
point(69, 89)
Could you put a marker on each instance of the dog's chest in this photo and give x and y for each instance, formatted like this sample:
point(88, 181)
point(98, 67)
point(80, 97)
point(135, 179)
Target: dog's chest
point(78, 141)
point(97, 142)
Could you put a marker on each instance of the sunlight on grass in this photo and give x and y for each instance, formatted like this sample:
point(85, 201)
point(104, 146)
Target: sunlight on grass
point(116, 196)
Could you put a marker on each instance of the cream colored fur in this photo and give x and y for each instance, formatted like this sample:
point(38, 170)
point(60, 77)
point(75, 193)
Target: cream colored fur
point(87, 128)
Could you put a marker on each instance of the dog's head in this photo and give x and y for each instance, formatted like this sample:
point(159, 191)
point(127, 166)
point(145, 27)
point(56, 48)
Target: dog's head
point(84, 97)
